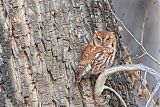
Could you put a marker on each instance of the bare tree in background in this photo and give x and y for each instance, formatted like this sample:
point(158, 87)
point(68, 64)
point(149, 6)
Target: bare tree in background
point(40, 45)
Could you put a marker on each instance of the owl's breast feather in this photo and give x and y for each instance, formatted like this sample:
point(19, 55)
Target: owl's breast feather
point(98, 54)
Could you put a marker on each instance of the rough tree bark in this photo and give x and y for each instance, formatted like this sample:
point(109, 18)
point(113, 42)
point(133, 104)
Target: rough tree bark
point(40, 45)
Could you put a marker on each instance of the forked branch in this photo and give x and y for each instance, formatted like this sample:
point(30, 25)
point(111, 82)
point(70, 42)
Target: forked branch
point(99, 87)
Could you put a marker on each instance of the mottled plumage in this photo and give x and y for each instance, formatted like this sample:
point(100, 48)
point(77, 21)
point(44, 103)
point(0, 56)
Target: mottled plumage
point(97, 54)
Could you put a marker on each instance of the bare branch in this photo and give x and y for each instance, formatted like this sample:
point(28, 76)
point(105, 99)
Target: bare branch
point(114, 91)
point(142, 55)
point(153, 93)
point(143, 24)
point(99, 86)
point(145, 18)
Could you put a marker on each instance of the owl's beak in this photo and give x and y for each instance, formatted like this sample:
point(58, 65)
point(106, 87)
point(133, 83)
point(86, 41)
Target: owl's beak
point(103, 43)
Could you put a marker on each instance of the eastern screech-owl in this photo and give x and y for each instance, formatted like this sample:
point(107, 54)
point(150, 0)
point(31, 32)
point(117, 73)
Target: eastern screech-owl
point(97, 55)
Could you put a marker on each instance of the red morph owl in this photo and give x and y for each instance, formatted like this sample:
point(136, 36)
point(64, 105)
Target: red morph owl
point(97, 55)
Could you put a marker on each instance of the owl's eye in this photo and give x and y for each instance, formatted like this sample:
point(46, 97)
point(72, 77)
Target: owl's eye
point(98, 39)
point(107, 40)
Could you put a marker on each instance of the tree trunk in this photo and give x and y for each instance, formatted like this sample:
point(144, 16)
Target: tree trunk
point(40, 45)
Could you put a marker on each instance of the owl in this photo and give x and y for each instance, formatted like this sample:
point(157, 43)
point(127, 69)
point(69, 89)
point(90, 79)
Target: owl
point(97, 55)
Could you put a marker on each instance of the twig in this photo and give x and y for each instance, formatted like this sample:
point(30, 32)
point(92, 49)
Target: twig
point(115, 92)
point(142, 55)
point(143, 24)
point(153, 93)
point(145, 78)
point(144, 83)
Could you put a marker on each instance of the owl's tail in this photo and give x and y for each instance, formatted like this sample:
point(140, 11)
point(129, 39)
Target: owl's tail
point(82, 71)
point(79, 74)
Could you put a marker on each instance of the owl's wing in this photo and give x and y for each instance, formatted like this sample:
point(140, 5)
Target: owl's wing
point(88, 55)
point(85, 62)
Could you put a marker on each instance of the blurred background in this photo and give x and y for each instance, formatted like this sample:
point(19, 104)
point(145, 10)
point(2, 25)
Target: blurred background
point(132, 13)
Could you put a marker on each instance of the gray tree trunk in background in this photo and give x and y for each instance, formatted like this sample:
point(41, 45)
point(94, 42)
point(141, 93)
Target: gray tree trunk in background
point(40, 45)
